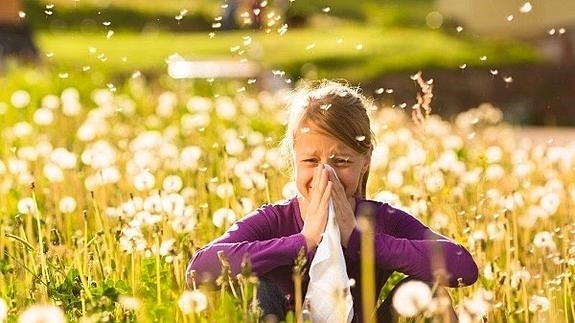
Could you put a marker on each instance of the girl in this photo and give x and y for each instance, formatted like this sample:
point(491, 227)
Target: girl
point(329, 125)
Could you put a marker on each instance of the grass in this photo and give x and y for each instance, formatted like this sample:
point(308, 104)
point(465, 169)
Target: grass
point(114, 256)
point(346, 51)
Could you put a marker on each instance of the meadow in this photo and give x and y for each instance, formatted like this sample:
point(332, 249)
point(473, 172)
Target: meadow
point(107, 192)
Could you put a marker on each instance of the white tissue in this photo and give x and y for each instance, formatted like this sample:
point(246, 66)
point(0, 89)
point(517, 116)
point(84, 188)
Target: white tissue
point(328, 293)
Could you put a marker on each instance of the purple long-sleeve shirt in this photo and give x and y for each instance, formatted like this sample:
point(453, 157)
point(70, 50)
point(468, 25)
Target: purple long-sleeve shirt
point(271, 238)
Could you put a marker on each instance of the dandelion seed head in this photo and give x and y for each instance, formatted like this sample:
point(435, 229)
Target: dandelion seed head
point(67, 204)
point(222, 216)
point(509, 18)
point(26, 206)
point(20, 99)
point(192, 301)
point(412, 298)
point(538, 304)
point(544, 240)
point(144, 181)
point(459, 29)
point(3, 310)
point(42, 313)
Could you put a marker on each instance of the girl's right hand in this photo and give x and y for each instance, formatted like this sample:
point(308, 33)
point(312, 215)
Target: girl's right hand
point(316, 211)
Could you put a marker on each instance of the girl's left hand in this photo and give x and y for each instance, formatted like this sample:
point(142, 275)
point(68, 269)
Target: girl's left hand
point(344, 213)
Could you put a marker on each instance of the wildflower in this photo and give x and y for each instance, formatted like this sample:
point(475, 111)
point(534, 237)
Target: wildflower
point(549, 204)
point(129, 303)
point(538, 303)
point(225, 108)
point(412, 298)
point(53, 173)
point(394, 179)
point(224, 190)
point(518, 277)
point(144, 181)
point(192, 301)
point(63, 158)
point(50, 101)
point(3, 310)
point(234, 146)
point(41, 313)
point(289, 189)
point(173, 204)
point(20, 99)
point(544, 240)
point(223, 215)
point(43, 117)
point(172, 183)
point(22, 129)
point(67, 204)
point(27, 206)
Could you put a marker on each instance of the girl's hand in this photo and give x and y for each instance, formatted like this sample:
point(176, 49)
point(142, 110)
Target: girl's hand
point(344, 209)
point(316, 210)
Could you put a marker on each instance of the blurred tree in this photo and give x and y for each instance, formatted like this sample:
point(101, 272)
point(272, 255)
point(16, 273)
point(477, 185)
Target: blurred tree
point(15, 36)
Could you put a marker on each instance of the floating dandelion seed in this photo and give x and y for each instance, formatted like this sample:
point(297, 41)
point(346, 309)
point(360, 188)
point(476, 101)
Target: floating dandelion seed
point(283, 29)
point(216, 25)
point(50, 6)
point(241, 89)
point(48, 12)
point(389, 91)
point(21, 14)
point(483, 58)
point(212, 35)
point(510, 17)
point(304, 130)
point(508, 79)
point(136, 74)
point(326, 9)
point(325, 107)
point(561, 31)
point(462, 66)
point(459, 29)
point(251, 81)
point(86, 68)
point(310, 46)
point(359, 46)
point(49, 54)
point(360, 138)
point(234, 48)
point(403, 105)
point(379, 91)
point(247, 40)
point(551, 31)
point(63, 75)
point(526, 7)
point(494, 72)
point(110, 34)
point(106, 23)
point(415, 76)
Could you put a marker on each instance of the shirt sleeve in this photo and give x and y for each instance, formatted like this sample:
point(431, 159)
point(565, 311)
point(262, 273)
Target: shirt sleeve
point(404, 244)
point(255, 237)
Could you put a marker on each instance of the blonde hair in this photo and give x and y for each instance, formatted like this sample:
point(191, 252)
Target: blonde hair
point(339, 110)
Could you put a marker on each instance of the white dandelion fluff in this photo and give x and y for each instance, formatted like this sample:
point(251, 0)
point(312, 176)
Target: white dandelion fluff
point(222, 216)
point(67, 204)
point(42, 313)
point(192, 301)
point(412, 298)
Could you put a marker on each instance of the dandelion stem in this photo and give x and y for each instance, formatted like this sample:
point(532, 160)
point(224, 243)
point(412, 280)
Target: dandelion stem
point(41, 253)
point(158, 290)
point(367, 268)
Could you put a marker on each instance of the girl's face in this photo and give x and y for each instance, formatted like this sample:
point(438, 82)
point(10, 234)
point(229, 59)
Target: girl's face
point(313, 147)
